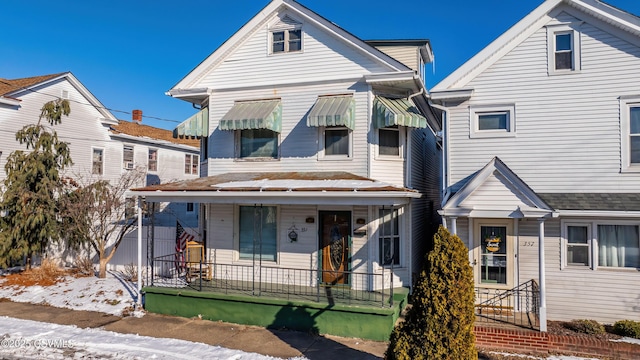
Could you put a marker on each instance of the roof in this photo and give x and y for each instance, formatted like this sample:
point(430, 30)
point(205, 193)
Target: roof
point(279, 181)
point(525, 28)
point(146, 131)
point(8, 86)
point(593, 201)
point(279, 188)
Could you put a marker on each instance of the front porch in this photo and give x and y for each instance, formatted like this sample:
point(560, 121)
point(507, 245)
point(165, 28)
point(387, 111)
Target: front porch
point(363, 305)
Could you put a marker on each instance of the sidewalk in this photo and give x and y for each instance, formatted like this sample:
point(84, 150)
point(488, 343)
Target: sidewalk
point(277, 343)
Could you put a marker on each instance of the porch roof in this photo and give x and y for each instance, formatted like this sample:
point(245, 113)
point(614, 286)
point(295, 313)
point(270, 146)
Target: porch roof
point(593, 201)
point(281, 188)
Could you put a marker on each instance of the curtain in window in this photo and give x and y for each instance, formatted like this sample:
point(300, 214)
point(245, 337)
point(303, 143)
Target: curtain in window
point(618, 246)
point(258, 232)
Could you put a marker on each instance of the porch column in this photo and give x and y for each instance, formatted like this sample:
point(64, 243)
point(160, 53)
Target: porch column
point(454, 225)
point(541, 275)
point(140, 251)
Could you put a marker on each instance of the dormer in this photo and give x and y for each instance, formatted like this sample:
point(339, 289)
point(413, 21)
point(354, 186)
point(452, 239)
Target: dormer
point(415, 54)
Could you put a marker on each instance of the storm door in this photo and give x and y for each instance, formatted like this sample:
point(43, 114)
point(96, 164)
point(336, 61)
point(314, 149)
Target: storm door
point(494, 255)
point(335, 236)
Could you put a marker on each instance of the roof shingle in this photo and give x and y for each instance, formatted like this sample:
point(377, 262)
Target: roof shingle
point(8, 86)
point(140, 130)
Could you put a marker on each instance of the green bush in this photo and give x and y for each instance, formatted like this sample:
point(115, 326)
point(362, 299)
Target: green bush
point(439, 324)
point(591, 327)
point(628, 328)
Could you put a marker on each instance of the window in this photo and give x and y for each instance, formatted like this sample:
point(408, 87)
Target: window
point(494, 260)
point(492, 121)
point(389, 237)
point(258, 232)
point(336, 141)
point(127, 157)
point(258, 143)
point(191, 162)
point(97, 162)
point(153, 160)
point(606, 245)
point(286, 41)
point(190, 207)
point(563, 49)
point(389, 141)
point(578, 244)
point(618, 246)
point(630, 133)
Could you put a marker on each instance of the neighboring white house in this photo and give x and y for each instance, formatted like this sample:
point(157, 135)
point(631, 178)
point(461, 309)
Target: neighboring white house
point(319, 150)
point(543, 153)
point(101, 146)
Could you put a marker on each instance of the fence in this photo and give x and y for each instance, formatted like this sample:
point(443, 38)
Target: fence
point(332, 287)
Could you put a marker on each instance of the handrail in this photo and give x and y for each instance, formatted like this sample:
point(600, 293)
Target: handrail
point(517, 306)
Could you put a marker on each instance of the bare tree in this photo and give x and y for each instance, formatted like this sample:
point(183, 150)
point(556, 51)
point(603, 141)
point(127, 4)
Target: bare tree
point(99, 214)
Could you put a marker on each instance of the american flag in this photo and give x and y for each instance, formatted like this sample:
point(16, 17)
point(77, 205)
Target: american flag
point(182, 237)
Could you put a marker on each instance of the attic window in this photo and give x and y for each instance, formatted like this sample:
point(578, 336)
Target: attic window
point(286, 36)
point(563, 42)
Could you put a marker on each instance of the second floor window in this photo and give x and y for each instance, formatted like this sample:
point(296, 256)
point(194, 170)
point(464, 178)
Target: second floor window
point(127, 157)
point(634, 135)
point(97, 162)
point(258, 143)
point(191, 163)
point(286, 41)
point(153, 160)
point(336, 141)
point(389, 141)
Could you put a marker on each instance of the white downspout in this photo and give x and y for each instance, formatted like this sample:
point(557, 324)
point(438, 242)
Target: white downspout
point(139, 304)
point(542, 277)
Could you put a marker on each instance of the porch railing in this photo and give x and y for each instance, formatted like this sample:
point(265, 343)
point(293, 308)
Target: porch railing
point(331, 287)
point(518, 306)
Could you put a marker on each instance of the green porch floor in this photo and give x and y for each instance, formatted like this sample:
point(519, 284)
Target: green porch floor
point(359, 321)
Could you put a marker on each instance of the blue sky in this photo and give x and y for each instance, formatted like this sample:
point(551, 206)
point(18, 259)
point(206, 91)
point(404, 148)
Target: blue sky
point(129, 52)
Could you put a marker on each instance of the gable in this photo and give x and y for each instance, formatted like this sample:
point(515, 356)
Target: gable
point(245, 58)
point(495, 191)
point(551, 12)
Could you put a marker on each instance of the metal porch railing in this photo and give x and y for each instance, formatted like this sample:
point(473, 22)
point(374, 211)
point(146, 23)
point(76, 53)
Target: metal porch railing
point(518, 306)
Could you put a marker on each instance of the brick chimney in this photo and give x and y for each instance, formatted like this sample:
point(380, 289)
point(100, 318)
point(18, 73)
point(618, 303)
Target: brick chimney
point(136, 116)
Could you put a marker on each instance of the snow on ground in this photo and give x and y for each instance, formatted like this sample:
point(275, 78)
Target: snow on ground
point(111, 295)
point(37, 340)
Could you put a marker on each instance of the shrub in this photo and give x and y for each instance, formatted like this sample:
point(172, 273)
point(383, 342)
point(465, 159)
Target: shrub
point(628, 328)
point(84, 266)
point(439, 325)
point(591, 327)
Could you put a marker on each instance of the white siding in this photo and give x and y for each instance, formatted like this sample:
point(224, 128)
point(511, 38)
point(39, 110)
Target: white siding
point(496, 192)
point(567, 126)
point(322, 58)
point(407, 55)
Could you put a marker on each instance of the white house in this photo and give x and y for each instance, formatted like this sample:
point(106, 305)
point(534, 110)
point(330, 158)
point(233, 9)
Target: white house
point(319, 152)
point(101, 146)
point(543, 159)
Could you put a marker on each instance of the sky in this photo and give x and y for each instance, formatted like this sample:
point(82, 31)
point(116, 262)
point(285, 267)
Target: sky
point(128, 53)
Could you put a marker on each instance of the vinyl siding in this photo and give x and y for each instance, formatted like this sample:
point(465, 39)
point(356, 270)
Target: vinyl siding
point(567, 126)
point(298, 142)
point(407, 55)
point(322, 58)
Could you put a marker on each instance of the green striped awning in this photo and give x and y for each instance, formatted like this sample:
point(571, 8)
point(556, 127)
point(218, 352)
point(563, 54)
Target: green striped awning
point(254, 114)
point(334, 110)
point(196, 126)
point(391, 112)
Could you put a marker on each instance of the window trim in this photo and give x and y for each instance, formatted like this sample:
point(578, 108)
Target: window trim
point(236, 237)
point(238, 147)
point(192, 163)
point(402, 133)
point(286, 30)
point(594, 245)
point(565, 245)
point(626, 103)
point(149, 159)
point(93, 149)
point(321, 146)
point(400, 215)
point(554, 30)
point(474, 126)
point(125, 162)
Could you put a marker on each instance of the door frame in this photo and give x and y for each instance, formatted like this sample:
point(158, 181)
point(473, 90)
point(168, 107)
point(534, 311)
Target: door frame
point(511, 255)
point(321, 214)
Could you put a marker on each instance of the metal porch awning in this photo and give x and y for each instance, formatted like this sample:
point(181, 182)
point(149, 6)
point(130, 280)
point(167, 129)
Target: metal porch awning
point(195, 126)
point(401, 112)
point(333, 110)
point(254, 114)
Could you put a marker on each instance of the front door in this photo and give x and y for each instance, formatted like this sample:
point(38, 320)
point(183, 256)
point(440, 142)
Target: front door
point(494, 254)
point(335, 233)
